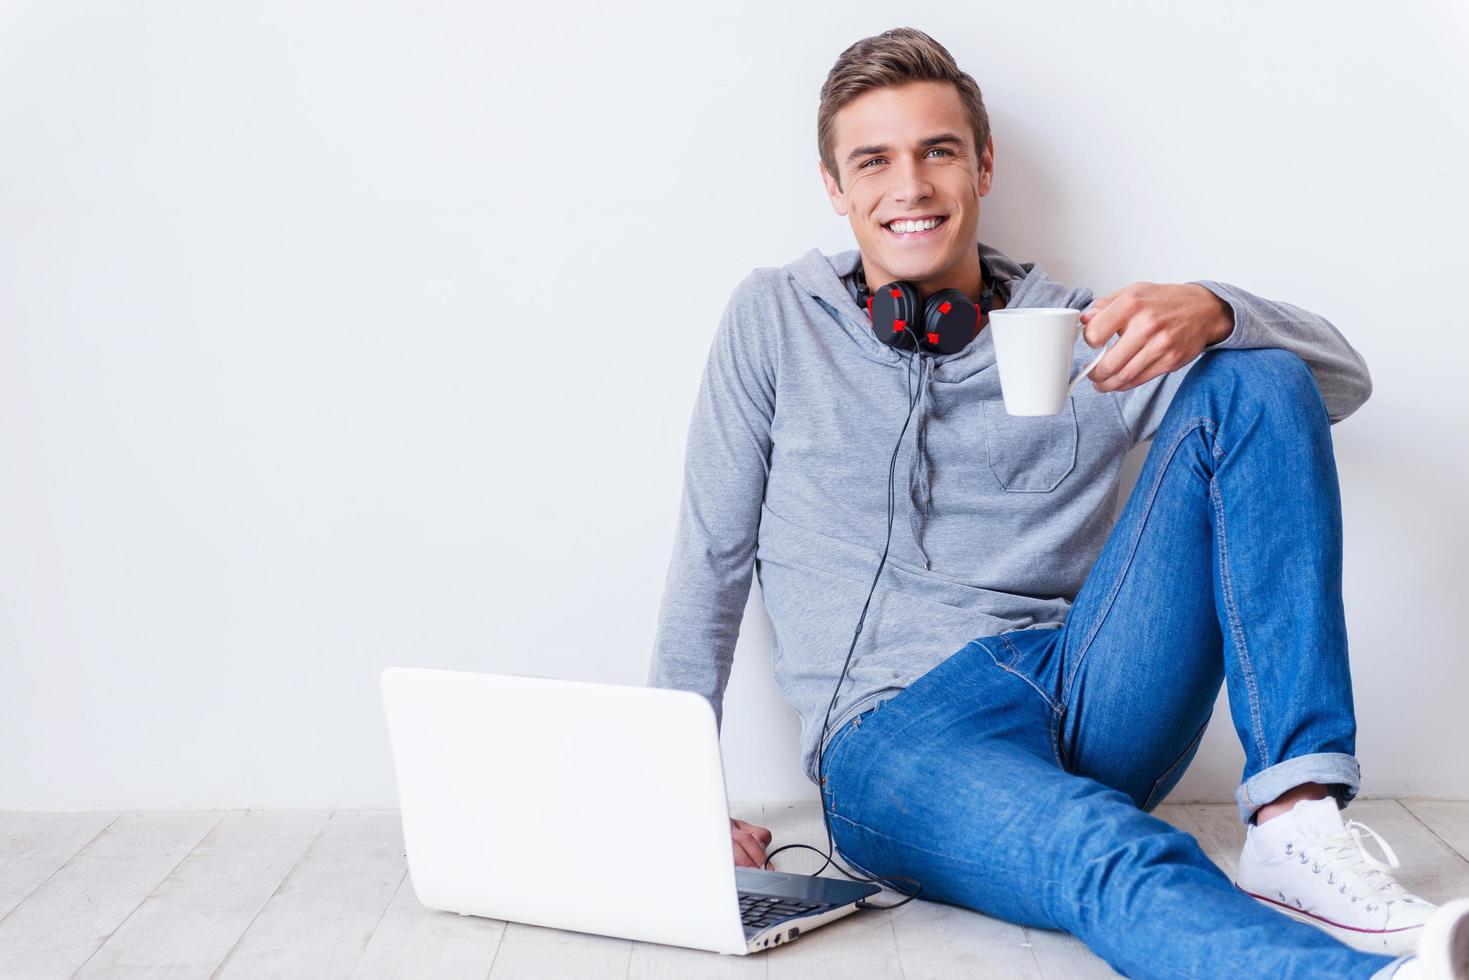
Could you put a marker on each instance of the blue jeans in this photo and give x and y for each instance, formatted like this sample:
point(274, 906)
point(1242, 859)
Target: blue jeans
point(1015, 777)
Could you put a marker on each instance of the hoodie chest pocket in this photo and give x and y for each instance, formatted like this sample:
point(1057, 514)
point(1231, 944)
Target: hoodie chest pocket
point(1030, 454)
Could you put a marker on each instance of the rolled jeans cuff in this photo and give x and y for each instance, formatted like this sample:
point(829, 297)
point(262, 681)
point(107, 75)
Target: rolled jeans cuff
point(1336, 769)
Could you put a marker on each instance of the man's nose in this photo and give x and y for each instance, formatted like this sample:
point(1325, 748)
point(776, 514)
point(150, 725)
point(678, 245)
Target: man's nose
point(910, 182)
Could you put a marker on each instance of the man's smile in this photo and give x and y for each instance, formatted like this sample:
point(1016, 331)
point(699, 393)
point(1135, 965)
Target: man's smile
point(908, 229)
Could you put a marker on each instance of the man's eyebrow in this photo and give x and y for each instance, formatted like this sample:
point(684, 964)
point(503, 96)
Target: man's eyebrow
point(863, 151)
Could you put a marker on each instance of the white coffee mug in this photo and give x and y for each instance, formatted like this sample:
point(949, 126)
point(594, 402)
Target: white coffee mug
point(1033, 349)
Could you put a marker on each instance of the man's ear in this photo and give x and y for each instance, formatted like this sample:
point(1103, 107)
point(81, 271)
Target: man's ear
point(987, 166)
point(833, 191)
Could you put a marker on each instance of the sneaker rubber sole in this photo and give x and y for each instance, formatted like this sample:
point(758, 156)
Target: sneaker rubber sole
point(1393, 942)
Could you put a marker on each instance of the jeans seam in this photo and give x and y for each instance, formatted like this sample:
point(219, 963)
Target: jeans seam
point(1236, 627)
point(838, 739)
point(1053, 708)
point(1051, 705)
point(1181, 756)
point(823, 769)
point(1188, 429)
point(1056, 738)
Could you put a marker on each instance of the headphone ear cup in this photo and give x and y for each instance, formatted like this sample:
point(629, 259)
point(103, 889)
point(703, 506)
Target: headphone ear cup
point(950, 322)
point(894, 310)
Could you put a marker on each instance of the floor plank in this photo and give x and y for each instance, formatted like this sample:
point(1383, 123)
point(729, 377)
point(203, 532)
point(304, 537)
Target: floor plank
point(535, 953)
point(299, 894)
point(1430, 867)
point(1177, 814)
point(937, 941)
point(190, 921)
point(1062, 955)
point(415, 941)
point(33, 846)
point(66, 918)
point(860, 945)
point(1448, 819)
point(651, 961)
point(1220, 832)
point(321, 918)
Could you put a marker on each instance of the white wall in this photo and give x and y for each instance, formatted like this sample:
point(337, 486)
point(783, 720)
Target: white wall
point(335, 336)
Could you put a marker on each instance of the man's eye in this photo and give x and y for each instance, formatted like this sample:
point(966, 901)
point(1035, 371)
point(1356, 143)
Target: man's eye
point(935, 149)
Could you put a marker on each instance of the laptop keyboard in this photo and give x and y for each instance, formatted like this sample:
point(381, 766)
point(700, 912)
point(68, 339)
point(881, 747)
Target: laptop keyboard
point(759, 911)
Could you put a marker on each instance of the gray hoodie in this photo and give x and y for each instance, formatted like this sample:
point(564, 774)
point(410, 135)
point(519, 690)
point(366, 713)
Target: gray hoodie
point(998, 517)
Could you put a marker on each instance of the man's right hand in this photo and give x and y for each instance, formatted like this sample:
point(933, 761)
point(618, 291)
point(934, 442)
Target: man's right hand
point(749, 842)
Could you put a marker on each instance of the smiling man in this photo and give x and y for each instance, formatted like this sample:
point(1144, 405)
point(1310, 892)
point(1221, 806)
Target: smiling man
point(1031, 677)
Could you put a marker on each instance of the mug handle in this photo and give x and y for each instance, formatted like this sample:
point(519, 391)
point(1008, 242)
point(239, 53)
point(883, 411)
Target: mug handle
point(1088, 369)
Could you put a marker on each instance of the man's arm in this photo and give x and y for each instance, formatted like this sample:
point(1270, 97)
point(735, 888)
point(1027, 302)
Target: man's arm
point(1248, 321)
point(726, 461)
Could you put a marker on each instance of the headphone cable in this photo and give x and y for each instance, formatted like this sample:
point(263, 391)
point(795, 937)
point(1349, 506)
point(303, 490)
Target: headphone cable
point(829, 855)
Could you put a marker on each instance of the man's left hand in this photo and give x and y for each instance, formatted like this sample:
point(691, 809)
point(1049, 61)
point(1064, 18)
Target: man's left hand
point(1162, 326)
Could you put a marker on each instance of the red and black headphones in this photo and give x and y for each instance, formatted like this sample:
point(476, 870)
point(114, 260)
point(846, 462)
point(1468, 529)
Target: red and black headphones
point(943, 323)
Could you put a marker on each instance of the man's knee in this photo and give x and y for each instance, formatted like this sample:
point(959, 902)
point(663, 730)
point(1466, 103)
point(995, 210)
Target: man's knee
point(1266, 376)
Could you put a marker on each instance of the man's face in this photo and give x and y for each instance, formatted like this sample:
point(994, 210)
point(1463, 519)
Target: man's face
point(904, 153)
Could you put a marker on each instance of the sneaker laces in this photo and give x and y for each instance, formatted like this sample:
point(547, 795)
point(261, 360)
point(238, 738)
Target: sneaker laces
point(1346, 855)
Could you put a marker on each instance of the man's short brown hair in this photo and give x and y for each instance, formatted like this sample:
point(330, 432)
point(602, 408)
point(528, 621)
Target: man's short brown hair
point(892, 58)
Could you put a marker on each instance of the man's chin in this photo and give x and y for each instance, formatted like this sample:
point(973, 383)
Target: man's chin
point(911, 268)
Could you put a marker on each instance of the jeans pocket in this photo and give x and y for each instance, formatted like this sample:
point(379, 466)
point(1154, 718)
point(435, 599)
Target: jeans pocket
point(1164, 784)
point(1030, 454)
point(1025, 654)
point(831, 758)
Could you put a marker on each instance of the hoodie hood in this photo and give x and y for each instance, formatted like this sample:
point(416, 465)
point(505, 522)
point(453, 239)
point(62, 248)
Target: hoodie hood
point(820, 276)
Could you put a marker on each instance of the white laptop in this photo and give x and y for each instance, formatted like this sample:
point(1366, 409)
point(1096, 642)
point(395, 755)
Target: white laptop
point(593, 807)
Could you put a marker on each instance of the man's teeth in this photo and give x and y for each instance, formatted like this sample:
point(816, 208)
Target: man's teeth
point(903, 227)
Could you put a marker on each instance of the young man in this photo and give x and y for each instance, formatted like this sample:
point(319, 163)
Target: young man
point(1031, 680)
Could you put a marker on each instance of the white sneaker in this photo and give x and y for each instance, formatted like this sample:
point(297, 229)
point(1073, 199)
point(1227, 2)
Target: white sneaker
point(1443, 951)
point(1312, 867)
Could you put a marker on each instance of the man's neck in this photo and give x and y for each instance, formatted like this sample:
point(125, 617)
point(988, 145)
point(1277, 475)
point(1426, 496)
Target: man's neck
point(966, 275)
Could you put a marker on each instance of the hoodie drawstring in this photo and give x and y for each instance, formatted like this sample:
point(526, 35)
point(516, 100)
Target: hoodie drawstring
point(919, 494)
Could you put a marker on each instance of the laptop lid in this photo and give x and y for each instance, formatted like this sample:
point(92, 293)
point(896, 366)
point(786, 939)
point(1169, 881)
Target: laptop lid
point(577, 805)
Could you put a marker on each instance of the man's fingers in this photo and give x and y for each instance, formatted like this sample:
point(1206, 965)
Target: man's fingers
point(751, 847)
point(1147, 364)
point(1097, 304)
point(744, 858)
point(760, 833)
point(1104, 318)
point(1127, 347)
point(755, 838)
point(1103, 324)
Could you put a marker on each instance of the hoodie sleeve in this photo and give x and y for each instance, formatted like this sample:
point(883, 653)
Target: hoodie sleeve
point(726, 461)
point(1340, 371)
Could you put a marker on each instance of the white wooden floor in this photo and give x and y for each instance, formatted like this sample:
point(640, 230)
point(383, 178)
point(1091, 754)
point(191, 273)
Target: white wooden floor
point(314, 894)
